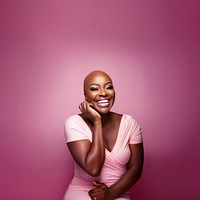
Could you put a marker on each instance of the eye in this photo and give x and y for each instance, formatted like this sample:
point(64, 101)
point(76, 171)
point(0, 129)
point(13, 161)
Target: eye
point(93, 89)
point(110, 87)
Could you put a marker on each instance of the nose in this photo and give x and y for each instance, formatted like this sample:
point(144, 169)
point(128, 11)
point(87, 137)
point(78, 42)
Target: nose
point(102, 92)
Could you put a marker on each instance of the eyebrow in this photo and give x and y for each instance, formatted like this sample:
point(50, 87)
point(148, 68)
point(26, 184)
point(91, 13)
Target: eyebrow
point(98, 84)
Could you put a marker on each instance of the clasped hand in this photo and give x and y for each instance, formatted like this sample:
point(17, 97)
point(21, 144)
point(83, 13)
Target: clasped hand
point(100, 192)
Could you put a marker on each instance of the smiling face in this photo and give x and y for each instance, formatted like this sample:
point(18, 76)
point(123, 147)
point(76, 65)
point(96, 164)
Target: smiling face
point(99, 90)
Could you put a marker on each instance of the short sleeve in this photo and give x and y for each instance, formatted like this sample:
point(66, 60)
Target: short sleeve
point(135, 131)
point(74, 129)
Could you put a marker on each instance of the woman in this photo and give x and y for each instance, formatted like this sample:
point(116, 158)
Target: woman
point(106, 146)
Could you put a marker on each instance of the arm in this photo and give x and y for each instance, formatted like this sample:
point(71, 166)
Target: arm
point(90, 156)
point(130, 177)
point(133, 173)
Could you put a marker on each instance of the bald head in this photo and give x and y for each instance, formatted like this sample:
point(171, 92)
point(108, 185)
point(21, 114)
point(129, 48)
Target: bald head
point(93, 76)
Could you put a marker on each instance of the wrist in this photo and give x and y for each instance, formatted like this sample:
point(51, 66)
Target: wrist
point(97, 120)
point(111, 192)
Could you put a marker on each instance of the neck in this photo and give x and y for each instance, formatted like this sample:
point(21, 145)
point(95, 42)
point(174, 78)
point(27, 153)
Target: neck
point(105, 117)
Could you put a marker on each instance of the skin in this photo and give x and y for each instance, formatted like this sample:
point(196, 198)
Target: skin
point(104, 126)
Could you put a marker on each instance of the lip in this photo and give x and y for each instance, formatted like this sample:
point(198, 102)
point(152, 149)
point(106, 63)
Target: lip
point(103, 102)
point(101, 99)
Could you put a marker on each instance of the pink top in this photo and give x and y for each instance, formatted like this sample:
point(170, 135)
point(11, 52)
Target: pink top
point(115, 161)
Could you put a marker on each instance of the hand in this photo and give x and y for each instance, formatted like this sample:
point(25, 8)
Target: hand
point(100, 192)
point(88, 111)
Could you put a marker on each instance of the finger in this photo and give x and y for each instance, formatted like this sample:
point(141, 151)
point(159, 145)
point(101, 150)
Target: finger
point(87, 106)
point(80, 108)
point(95, 192)
point(97, 183)
point(96, 197)
point(83, 107)
point(88, 103)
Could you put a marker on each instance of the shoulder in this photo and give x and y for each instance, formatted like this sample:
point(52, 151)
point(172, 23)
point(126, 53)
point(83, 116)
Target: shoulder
point(72, 117)
point(76, 129)
point(72, 120)
point(125, 118)
point(129, 120)
point(133, 129)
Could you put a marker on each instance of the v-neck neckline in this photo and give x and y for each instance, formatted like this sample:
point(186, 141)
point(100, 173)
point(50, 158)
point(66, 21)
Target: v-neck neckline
point(120, 124)
point(117, 138)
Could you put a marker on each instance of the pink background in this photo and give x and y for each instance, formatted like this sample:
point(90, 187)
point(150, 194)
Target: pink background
point(151, 50)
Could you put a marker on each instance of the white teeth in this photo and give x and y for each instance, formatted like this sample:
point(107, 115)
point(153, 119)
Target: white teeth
point(103, 101)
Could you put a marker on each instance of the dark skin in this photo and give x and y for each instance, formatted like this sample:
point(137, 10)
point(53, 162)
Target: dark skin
point(104, 126)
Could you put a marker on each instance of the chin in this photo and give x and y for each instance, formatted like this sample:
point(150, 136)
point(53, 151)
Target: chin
point(103, 110)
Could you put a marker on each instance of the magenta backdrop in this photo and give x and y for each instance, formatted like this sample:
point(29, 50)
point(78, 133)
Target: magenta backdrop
point(150, 48)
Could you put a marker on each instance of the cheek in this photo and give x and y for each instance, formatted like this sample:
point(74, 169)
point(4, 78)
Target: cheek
point(113, 94)
point(113, 97)
point(89, 96)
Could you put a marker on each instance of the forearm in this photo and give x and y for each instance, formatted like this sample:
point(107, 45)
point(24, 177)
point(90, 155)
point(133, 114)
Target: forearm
point(130, 177)
point(96, 154)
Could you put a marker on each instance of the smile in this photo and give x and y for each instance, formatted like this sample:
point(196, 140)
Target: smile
point(103, 103)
